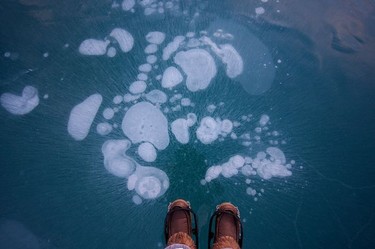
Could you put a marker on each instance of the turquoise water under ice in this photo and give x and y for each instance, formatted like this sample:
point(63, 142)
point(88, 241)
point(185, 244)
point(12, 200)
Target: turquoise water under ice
point(321, 102)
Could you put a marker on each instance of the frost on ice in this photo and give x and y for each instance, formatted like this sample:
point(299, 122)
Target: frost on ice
point(82, 116)
point(143, 122)
point(20, 105)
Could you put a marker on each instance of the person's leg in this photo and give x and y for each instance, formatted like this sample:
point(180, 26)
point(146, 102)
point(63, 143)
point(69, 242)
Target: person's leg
point(228, 228)
point(179, 225)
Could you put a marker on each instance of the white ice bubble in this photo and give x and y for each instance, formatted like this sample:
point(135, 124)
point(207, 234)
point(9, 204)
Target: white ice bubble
point(82, 116)
point(145, 68)
point(142, 77)
point(137, 200)
point(268, 169)
point(151, 59)
point(208, 130)
point(213, 172)
point(191, 119)
point(151, 49)
point(93, 47)
point(115, 159)
point(226, 126)
point(199, 67)
point(264, 119)
point(172, 47)
point(108, 113)
point(20, 105)
point(171, 77)
point(124, 39)
point(128, 4)
point(143, 122)
point(147, 152)
point(259, 10)
point(155, 37)
point(156, 96)
point(180, 130)
point(137, 87)
point(129, 97)
point(111, 52)
point(117, 99)
point(104, 128)
point(276, 154)
point(185, 102)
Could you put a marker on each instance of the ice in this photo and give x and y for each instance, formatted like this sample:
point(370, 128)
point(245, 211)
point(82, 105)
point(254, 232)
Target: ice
point(104, 128)
point(20, 105)
point(124, 39)
point(264, 119)
point(191, 119)
point(108, 113)
point(151, 49)
point(147, 152)
point(137, 200)
point(14, 235)
point(93, 47)
point(137, 87)
point(171, 77)
point(151, 59)
point(82, 116)
point(208, 130)
point(115, 159)
point(155, 37)
point(172, 47)
point(117, 99)
point(145, 68)
point(276, 154)
point(111, 52)
point(148, 182)
point(180, 130)
point(156, 96)
point(199, 67)
point(143, 122)
point(128, 4)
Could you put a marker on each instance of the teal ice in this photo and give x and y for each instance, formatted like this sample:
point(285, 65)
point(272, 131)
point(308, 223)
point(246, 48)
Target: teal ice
point(112, 109)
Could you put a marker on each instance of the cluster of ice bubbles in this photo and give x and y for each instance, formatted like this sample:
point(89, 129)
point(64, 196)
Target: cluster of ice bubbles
point(156, 97)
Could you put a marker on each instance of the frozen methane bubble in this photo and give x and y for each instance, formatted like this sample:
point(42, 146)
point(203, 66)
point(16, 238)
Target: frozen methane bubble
point(157, 97)
point(20, 105)
point(264, 119)
point(137, 87)
point(172, 47)
point(117, 99)
point(199, 67)
point(147, 152)
point(208, 130)
point(226, 126)
point(115, 159)
point(108, 113)
point(180, 130)
point(82, 116)
point(276, 154)
point(111, 52)
point(128, 4)
point(151, 48)
point(191, 119)
point(137, 200)
point(145, 68)
point(155, 37)
point(93, 47)
point(123, 38)
point(148, 182)
point(104, 128)
point(171, 77)
point(143, 122)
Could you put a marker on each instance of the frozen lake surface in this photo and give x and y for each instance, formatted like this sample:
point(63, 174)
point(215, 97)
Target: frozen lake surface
point(112, 109)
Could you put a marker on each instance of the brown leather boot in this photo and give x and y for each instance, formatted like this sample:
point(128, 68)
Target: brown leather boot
point(178, 224)
point(228, 227)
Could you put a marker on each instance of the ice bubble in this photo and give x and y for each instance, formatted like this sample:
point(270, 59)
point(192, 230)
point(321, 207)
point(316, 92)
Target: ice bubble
point(226, 126)
point(137, 87)
point(20, 105)
point(268, 169)
point(199, 67)
point(108, 113)
point(124, 39)
point(142, 77)
point(155, 37)
point(151, 48)
point(156, 96)
point(145, 68)
point(259, 10)
point(143, 122)
point(208, 130)
point(171, 77)
point(237, 161)
point(104, 128)
point(129, 97)
point(151, 59)
point(82, 116)
point(276, 154)
point(93, 47)
point(185, 102)
point(251, 191)
point(212, 173)
point(148, 182)
point(172, 47)
point(147, 152)
point(211, 108)
point(180, 130)
point(128, 4)
point(115, 159)
point(111, 52)
point(137, 200)
point(264, 119)
point(191, 119)
point(117, 99)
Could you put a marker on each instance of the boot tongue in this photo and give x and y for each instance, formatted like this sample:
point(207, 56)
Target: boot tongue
point(179, 222)
point(227, 226)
